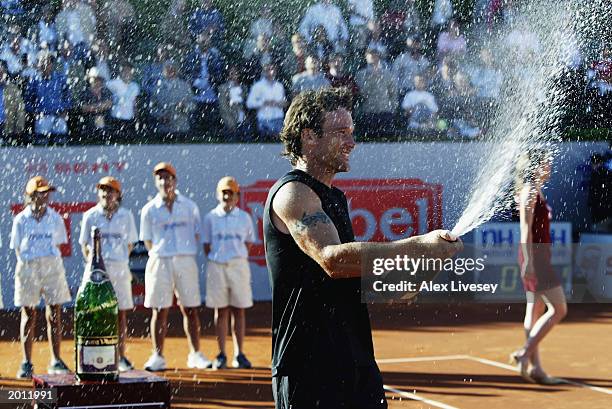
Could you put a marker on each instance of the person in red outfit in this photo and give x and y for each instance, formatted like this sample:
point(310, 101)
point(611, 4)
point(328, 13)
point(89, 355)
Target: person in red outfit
point(546, 304)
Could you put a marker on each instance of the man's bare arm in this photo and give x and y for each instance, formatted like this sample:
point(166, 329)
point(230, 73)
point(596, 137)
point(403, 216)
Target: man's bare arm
point(298, 210)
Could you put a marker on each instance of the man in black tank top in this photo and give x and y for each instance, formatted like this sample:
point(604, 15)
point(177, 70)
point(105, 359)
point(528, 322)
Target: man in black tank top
point(322, 353)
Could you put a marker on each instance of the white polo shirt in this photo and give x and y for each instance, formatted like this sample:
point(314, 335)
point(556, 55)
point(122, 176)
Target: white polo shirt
point(34, 239)
point(227, 234)
point(172, 234)
point(124, 98)
point(116, 233)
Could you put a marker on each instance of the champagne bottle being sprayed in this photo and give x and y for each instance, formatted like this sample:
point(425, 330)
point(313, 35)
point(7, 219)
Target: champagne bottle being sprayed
point(96, 329)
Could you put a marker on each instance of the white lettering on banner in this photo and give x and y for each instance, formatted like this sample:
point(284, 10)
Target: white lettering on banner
point(423, 206)
point(370, 223)
point(499, 242)
point(394, 217)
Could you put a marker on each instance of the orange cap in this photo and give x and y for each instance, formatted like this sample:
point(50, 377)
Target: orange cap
point(38, 184)
point(228, 183)
point(167, 166)
point(111, 182)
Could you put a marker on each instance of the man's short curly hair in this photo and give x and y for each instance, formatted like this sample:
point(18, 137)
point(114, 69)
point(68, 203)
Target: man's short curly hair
point(307, 111)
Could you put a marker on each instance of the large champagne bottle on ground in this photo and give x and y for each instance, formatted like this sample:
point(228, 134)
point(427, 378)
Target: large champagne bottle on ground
point(96, 328)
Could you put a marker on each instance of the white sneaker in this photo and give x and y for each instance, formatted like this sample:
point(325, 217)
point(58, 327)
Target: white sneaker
point(198, 360)
point(155, 363)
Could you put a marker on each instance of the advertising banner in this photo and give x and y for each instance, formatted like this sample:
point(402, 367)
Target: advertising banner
point(394, 190)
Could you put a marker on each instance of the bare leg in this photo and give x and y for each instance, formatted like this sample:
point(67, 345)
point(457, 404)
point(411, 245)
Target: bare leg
point(557, 310)
point(533, 313)
point(122, 332)
point(53, 313)
point(191, 325)
point(27, 331)
point(159, 328)
point(221, 324)
point(238, 328)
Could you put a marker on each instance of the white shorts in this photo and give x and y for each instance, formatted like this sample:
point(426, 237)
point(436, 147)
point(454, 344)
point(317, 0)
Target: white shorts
point(121, 279)
point(229, 284)
point(165, 276)
point(43, 276)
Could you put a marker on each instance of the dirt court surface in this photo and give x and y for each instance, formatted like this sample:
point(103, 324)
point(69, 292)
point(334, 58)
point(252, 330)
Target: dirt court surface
point(431, 356)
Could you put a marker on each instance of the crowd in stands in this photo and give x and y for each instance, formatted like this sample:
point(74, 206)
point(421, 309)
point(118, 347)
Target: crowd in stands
point(70, 74)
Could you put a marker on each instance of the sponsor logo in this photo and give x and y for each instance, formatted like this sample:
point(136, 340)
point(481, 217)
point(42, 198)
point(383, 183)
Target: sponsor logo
point(499, 242)
point(380, 209)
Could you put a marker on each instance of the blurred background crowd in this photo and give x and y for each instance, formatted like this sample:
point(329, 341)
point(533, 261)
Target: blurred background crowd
point(115, 71)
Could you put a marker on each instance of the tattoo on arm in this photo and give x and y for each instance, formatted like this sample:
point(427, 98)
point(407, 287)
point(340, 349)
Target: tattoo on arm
point(311, 220)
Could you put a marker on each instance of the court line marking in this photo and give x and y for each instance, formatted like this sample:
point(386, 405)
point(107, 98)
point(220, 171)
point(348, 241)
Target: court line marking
point(421, 359)
point(479, 360)
point(414, 396)
point(514, 369)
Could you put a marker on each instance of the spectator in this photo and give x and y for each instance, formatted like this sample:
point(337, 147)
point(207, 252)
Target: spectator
point(203, 68)
point(360, 12)
point(29, 71)
point(600, 71)
point(409, 64)
point(263, 24)
point(328, 15)
point(486, 78)
point(125, 97)
point(443, 81)
point(232, 98)
point(420, 106)
point(267, 96)
point(522, 41)
point(47, 31)
point(256, 58)
point(76, 22)
point(338, 78)
point(600, 196)
point(228, 234)
point(375, 40)
point(379, 100)
point(261, 50)
point(96, 103)
point(118, 20)
point(498, 12)
point(174, 26)
point(73, 68)
point(172, 103)
point(102, 59)
point(12, 53)
point(208, 19)
point(451, 41)
point(153, 71)
point(295, 62)
point(400, 22)
point(311, 79)
point(12, 108)
point(442, 13)
point(48, 99)
point(11, 12)
point(459, 104)
point(320, 45)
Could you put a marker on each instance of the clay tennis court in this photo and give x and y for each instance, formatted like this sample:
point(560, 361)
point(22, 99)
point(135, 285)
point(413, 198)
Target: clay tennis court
point(431, 356)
